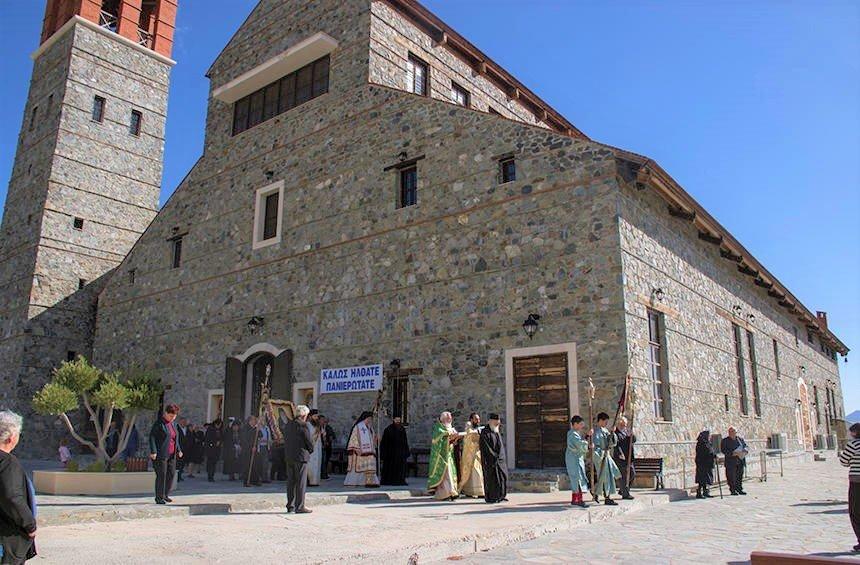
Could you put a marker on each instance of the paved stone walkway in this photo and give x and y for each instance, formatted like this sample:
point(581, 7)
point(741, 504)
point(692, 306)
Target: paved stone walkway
point(782, 514)
point(804, 512)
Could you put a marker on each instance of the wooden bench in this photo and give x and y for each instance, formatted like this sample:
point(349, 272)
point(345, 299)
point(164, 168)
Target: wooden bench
point(649, 468)
point(770, 558)
point(419, 458)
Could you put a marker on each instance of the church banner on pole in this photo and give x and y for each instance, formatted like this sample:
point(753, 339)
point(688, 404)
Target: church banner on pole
point(366, 378)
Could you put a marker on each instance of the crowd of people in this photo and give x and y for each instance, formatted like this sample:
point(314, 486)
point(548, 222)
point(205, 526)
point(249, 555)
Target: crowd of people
point(468, 463)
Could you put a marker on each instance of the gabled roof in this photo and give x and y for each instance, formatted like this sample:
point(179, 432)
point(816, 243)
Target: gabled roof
point(443, 34)
point(682, 205)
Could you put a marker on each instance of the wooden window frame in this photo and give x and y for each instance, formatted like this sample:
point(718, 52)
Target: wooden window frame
point(506, 176)
point(259, 240)
point(414, 62)
point(756, 391)
point(99, 107)
point(176, 252)
point(658, 366)
point(466, 95)
point(741, 371)
point(135, 126)
point(404, 191)
point(281, 95)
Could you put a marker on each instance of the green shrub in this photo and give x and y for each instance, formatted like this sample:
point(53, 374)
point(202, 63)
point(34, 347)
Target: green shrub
point(73, 466)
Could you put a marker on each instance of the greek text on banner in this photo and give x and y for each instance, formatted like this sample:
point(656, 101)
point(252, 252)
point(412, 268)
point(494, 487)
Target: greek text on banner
point(366, 378)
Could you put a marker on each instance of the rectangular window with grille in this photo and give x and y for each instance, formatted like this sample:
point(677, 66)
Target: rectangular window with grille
point(131, 275)
point(507, 170)
point(417, 75)
point(756, 394)
point(98, 109)
point(284, 94)
point(176, 259)
point(739, 364)
point(135, 123)
point(408, 186)
point(400, 398)
point(460, 95)
point(270, 218)
point(776, 359)
point(657, 365)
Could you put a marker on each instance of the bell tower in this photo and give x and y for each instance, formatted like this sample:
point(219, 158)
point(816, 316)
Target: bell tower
point(85, 181)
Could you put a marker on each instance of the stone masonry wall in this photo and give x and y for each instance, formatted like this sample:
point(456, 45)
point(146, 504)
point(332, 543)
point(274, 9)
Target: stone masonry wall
point(393, 37)
point(701, 289)
point(443, 285)
point(70, 166)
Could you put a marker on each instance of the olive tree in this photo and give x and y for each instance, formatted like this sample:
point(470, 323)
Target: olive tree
point(78, 381)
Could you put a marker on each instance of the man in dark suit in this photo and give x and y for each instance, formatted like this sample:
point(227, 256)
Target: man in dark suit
point(735, 449)
point(17, 497)
point(624, 449)
point(164, 449)
point(297, 452)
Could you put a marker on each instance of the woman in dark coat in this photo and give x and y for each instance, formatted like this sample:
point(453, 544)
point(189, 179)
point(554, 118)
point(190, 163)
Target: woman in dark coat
point(233, 450)
point(705, 458)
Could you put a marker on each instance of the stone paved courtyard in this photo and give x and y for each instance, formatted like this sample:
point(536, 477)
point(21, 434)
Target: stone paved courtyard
point(782, 514)
point(803, 512)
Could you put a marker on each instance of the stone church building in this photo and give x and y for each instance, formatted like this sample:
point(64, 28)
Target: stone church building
point(374, 189)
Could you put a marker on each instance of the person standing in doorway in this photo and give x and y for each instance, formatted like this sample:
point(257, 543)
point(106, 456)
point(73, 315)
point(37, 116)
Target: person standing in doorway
point(212, 446)
point(164, 450)
point(328, 444)
point(184, 435)
point(298, 447)
point(17, 497)
point(850, 457)
point(735, 449)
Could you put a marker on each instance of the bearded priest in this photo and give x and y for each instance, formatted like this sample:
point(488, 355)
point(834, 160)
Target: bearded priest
point(494, 463)
point(361, 470)
point(442, 475)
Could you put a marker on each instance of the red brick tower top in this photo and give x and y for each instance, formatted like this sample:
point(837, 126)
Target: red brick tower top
point(149, 23)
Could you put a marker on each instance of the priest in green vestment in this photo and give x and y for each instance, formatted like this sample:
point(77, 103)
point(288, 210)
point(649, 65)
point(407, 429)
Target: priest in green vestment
point(442, 475)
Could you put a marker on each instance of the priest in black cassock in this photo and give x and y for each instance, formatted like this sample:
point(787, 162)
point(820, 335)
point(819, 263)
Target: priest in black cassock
point(493, 462)
point(394, 451)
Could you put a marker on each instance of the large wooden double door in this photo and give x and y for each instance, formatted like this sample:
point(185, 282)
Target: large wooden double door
point(541, 410)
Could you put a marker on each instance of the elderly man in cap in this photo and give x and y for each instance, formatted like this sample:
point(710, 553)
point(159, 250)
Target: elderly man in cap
point(735, 449)
point(493, 461)
point(297, 452)
point(17, 497)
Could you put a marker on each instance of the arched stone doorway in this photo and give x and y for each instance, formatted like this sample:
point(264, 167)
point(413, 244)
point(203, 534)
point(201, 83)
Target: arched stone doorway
point(247, 371)
point(804, 416)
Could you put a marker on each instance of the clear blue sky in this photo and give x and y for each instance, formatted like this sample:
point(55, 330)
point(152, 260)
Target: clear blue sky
point(754, 107)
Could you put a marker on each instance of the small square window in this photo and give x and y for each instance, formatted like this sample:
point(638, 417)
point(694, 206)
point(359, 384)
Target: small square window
point(78, 223)
point(98, 109)
point(71, 355)
point(460, 95)
point(507, 170)
point(131, 275)
point(408, 186)
point(176, 260)
point(82, 283)
point(135, 123)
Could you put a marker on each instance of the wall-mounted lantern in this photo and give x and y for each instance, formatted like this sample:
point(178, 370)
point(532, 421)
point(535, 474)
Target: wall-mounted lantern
point(530, 326)
point(255, 325)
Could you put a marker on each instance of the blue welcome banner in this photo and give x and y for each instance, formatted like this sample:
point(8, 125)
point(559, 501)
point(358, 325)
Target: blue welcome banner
point(366, 378)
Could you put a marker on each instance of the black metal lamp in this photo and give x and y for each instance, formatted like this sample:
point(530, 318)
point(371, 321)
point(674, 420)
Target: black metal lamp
point(658, 294)
point(395, 365)
point(530, 326)
point(255, 325)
